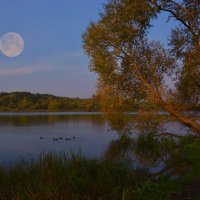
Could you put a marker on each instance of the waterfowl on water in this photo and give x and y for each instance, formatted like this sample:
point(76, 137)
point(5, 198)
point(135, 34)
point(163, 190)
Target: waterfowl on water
point(55, 139)
point(41, 137)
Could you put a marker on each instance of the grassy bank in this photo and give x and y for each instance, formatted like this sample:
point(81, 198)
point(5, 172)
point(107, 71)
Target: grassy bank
point(60, 177)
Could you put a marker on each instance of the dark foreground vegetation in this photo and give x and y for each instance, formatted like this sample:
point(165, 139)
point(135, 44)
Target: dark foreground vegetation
point(60, 177)
point(25, 101)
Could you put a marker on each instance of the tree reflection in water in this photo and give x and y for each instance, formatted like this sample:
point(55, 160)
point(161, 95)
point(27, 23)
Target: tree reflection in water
point(150, 150)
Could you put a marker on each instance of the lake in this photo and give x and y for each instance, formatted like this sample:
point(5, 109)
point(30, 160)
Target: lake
point(30, 134)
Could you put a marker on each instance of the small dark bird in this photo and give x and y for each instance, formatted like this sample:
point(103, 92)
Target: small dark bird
point(55, 139)
point(41, 137)
point(73, 137)
point(68, 139)
point(60, 138)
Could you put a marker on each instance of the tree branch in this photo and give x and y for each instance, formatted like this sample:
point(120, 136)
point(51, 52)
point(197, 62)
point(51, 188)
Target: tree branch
point(176, 16)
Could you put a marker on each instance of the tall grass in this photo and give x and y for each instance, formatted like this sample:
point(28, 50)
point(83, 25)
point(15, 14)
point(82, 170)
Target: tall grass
point(75, 177)
point(57, 177)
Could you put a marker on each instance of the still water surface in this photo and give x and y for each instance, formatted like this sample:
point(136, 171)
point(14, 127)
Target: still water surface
point(29, 134)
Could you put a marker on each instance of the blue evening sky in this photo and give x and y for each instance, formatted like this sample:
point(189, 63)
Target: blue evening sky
point(53, 60)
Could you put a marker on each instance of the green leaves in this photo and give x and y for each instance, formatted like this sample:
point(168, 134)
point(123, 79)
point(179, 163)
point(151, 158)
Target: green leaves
point(135, 68)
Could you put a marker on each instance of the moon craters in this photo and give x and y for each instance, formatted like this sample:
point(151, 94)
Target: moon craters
point(11, 44)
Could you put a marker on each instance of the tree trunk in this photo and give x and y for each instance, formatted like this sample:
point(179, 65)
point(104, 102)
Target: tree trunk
point(184, 119)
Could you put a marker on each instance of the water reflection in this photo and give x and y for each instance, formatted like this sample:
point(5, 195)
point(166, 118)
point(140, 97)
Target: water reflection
point(153, 148)
point(121, 123)
point(152, 155)
point(121, 148)
point(33, 119)
point(32, 134)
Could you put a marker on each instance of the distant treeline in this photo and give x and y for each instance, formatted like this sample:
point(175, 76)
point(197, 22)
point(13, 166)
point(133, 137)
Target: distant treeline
point(25, 101)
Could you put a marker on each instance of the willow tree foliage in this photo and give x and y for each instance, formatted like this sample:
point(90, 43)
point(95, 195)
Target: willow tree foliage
point(131, 67)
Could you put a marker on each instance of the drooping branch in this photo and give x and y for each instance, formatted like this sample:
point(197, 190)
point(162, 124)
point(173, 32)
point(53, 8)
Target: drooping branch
point(175, 15)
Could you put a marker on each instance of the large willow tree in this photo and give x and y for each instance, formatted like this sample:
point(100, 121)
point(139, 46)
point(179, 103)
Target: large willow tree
point(131, 67)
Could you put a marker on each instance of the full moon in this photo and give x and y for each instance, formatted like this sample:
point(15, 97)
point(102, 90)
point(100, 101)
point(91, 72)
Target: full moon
point(11, 44)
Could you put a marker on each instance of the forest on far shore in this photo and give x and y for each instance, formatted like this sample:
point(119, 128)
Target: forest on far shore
point(30, 102)
point(26, 101)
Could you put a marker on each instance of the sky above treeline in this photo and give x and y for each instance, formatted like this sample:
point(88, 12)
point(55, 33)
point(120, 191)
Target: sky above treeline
point(53, 60)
